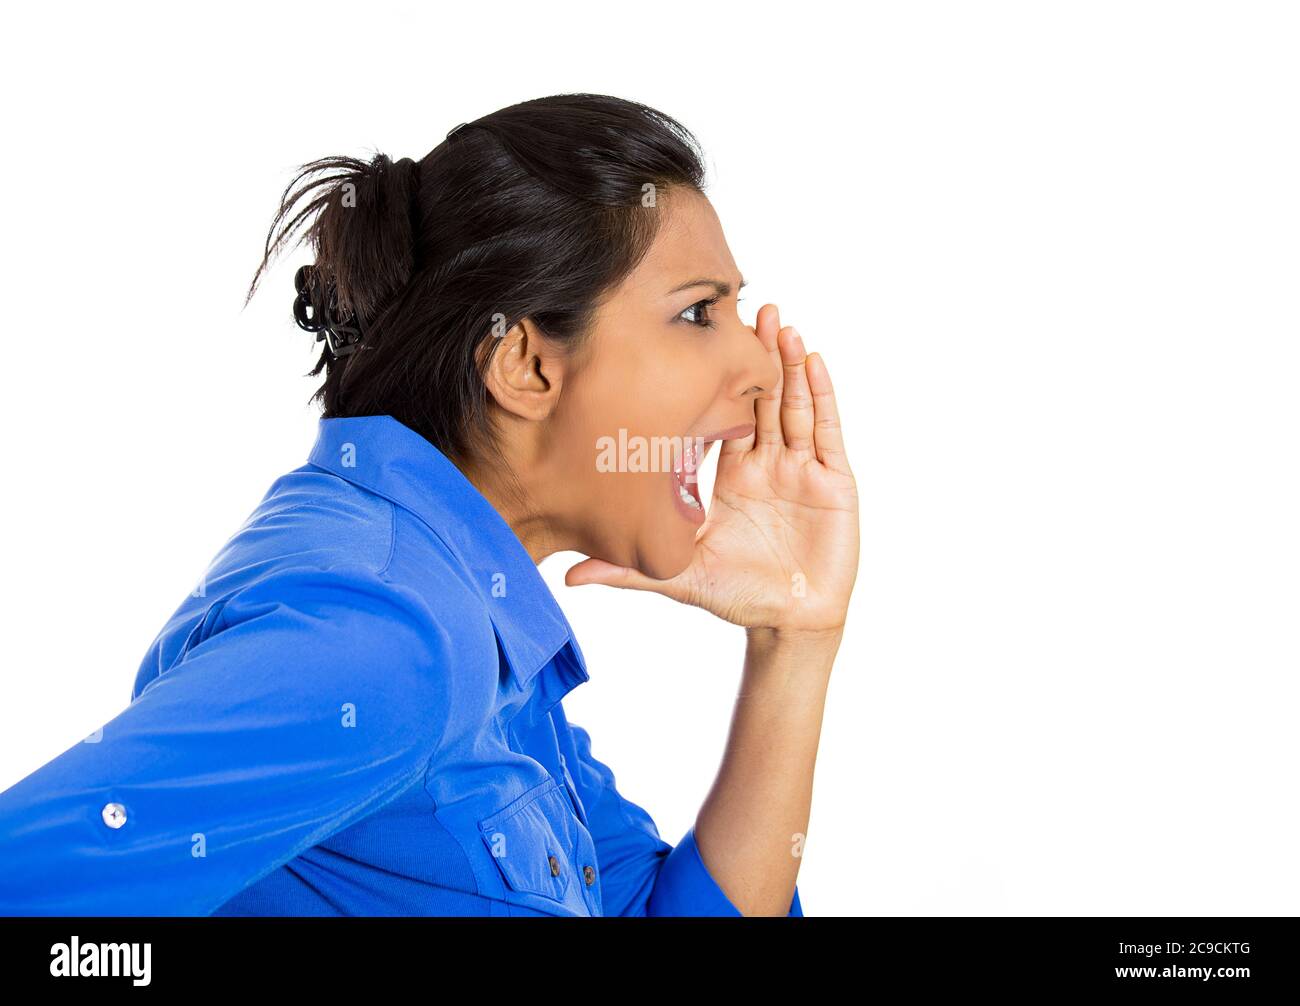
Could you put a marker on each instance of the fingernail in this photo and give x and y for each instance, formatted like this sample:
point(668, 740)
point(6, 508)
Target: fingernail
point(798, 340)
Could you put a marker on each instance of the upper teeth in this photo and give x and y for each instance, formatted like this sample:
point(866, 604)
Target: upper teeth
point(686, 496)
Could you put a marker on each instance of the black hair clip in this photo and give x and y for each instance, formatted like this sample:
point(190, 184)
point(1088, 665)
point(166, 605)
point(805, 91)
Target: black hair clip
point(339, 329)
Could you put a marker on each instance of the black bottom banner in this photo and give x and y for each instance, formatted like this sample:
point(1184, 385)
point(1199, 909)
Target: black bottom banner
point(618, 957)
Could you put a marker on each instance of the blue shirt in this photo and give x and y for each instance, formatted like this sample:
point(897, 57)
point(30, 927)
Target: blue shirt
point(357, 712)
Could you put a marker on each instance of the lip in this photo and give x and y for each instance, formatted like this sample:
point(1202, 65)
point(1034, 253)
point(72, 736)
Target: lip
point(730, 433)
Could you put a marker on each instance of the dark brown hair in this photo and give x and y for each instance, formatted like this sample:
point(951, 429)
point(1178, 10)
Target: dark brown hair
point(533, 211)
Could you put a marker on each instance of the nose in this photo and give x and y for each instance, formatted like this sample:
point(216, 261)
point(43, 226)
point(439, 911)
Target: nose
point(757, 372)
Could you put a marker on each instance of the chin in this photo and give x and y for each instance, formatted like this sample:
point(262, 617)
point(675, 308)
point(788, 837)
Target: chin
point(665, 563)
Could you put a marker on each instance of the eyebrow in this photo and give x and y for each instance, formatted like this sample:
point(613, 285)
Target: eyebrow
point(723, 289)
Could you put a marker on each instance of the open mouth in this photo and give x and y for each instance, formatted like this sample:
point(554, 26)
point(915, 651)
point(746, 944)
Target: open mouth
point(687, 496)
point(685, 482)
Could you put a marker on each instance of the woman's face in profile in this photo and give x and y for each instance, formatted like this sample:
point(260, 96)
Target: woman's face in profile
point(668, 364)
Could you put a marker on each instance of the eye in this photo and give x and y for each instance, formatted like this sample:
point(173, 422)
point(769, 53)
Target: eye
point(698, 313)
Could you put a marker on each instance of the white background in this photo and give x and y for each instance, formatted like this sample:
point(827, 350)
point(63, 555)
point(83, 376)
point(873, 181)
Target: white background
point(1048, 250)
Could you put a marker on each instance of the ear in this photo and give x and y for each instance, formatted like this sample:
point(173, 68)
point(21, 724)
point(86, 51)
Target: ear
point(524, 372)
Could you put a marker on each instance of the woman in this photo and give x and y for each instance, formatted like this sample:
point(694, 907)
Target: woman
point(359, 709)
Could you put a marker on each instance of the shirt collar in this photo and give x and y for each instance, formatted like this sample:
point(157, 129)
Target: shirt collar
point(385, 456)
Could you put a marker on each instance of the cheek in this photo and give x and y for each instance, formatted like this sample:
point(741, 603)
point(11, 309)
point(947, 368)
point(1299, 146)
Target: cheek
point(606, 406)
point(664, 393)
point(667, 394)
point(642, 392)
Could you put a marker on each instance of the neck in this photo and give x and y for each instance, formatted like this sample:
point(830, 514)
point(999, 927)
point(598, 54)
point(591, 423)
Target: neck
point(514, 501)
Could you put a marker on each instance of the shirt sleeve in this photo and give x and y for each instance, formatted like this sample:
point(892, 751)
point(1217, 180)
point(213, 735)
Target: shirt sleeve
point(315, 699)
point(641, 873)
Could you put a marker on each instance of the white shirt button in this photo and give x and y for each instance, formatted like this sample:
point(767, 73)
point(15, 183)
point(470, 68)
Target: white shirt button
point(114, 815)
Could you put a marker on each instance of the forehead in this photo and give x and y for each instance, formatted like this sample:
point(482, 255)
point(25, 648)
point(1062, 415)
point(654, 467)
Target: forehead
point(689, 245)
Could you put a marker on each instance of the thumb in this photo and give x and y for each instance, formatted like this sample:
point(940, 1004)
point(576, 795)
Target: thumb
point(600, 571)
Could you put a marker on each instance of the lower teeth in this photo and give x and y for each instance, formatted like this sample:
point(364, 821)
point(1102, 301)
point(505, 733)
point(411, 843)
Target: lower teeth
point(687, 498)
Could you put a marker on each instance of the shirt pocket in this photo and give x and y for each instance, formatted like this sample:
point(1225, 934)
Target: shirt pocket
point(532, 841)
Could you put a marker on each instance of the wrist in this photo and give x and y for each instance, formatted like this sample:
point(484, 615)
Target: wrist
point(775, 636)
point(798, 653)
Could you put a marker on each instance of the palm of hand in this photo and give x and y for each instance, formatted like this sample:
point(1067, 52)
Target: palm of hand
point(780, 544)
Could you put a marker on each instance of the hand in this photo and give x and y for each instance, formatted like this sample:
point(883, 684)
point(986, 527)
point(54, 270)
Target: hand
point(779, 546)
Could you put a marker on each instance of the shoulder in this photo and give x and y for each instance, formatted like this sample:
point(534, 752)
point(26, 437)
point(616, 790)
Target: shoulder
point(316, 531)
point(325, 592)
point(316, 517)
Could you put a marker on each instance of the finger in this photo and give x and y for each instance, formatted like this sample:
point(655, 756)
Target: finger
point(796, 400)
point(827, 436)
point(767, 407)
point(736, 445)
point(611, 575)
